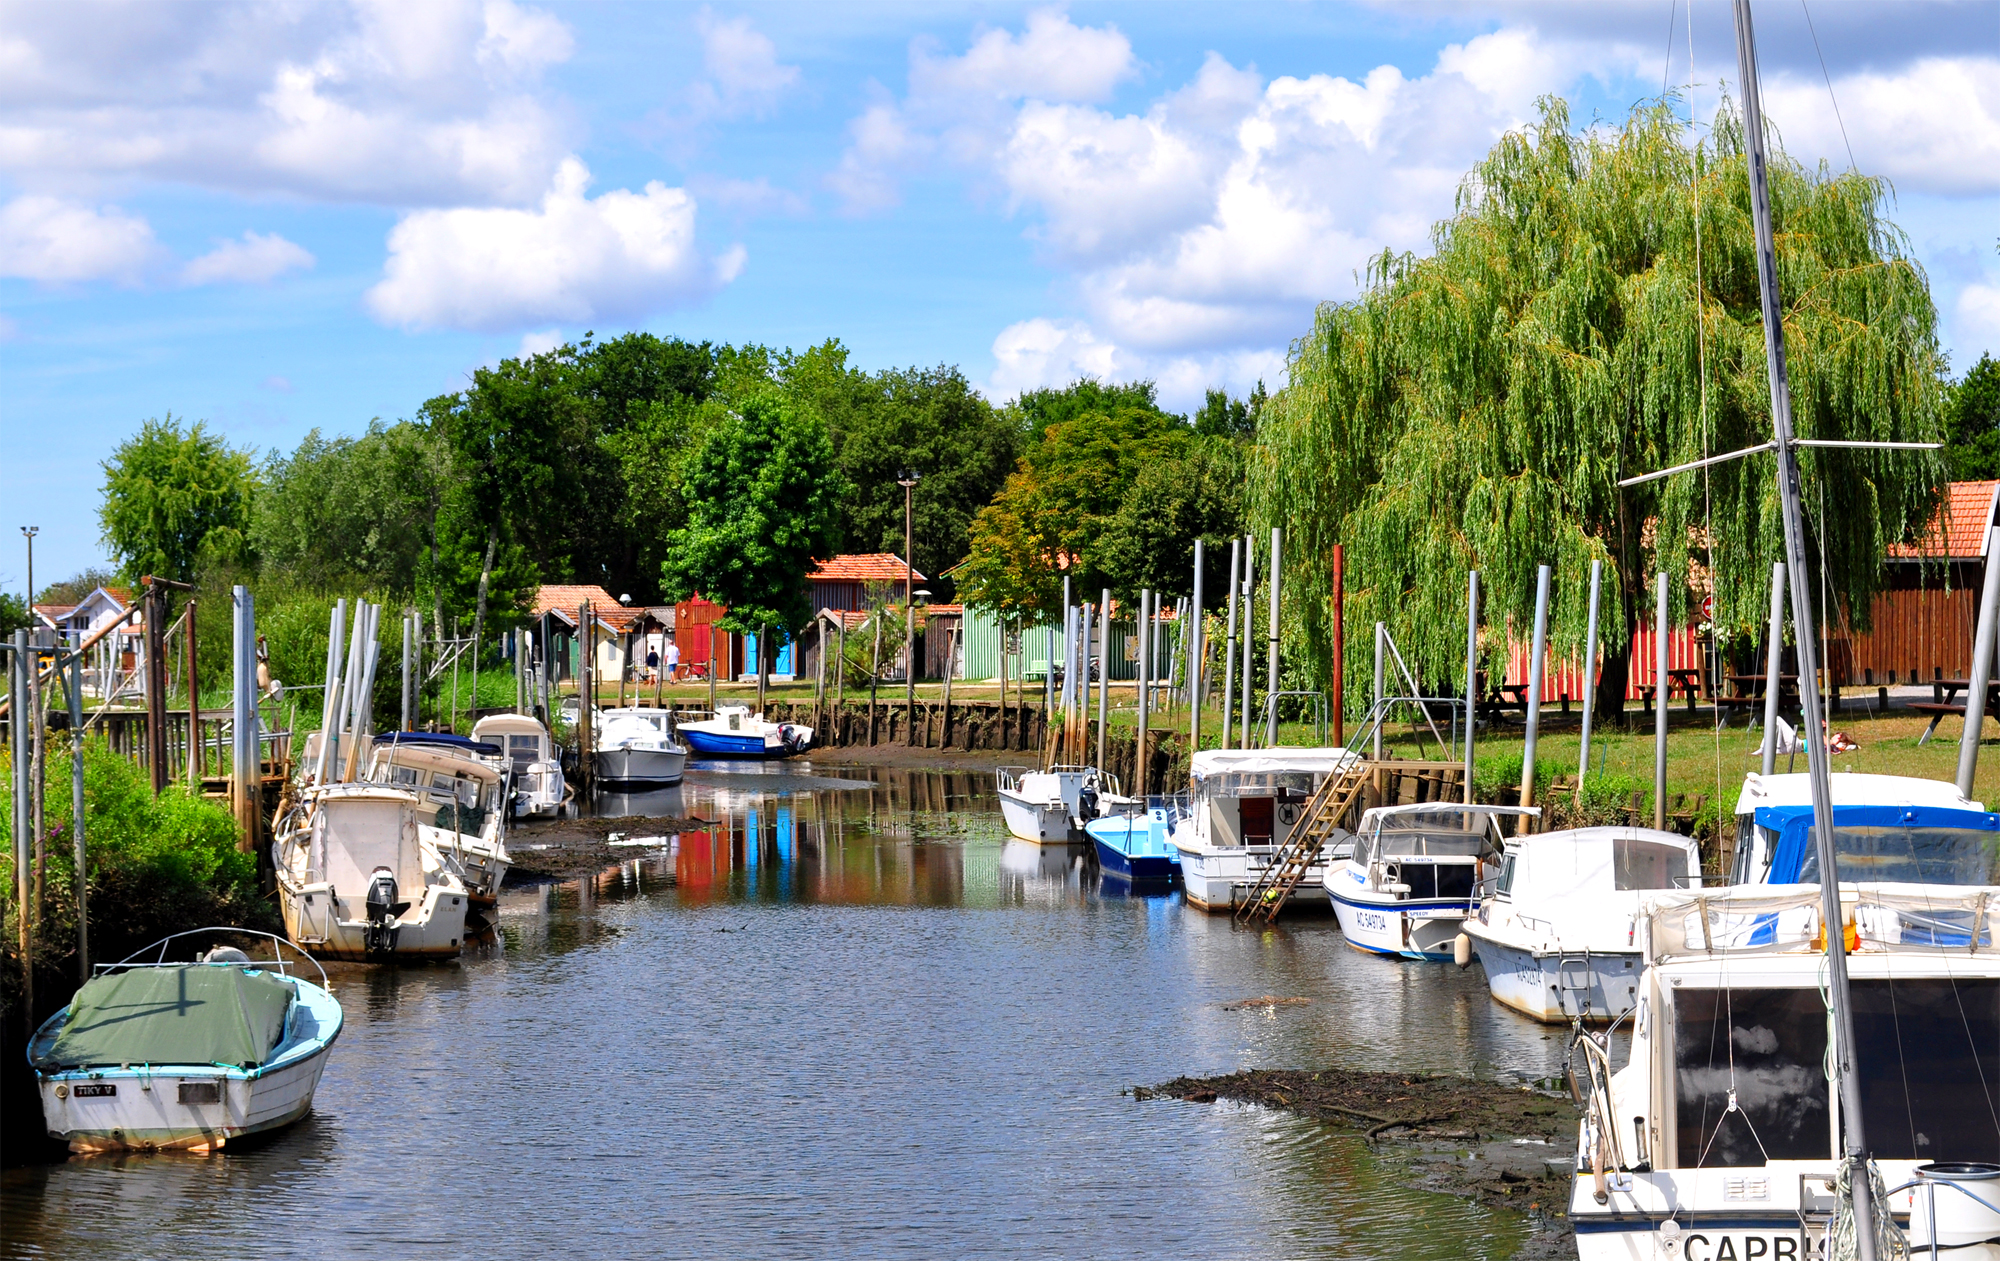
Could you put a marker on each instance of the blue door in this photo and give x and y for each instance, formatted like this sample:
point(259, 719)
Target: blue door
point(781, 661)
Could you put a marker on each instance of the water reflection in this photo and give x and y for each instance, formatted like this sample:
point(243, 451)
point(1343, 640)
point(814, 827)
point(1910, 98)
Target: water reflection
point(847, 1016)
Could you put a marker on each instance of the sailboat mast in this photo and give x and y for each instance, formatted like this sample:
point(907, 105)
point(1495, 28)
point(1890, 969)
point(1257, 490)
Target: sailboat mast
point(1852, 1141)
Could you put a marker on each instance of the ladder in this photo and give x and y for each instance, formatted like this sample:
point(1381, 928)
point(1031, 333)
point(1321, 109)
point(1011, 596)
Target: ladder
point(1324, 810)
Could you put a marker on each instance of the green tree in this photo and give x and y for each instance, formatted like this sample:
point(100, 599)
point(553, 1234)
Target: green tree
point(1972, 423)
point(174, 498)
point(361, 509)
point(13, 614)
point(763, 498)
point(73, 589)
point(1149, 543)
point(1224, 417)
point(1476, 408)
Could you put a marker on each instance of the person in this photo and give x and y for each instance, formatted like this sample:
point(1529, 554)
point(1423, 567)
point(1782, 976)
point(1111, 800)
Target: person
point(673, 660)
point(652, 665)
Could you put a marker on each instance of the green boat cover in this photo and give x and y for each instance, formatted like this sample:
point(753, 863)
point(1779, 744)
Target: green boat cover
point(185, 1014)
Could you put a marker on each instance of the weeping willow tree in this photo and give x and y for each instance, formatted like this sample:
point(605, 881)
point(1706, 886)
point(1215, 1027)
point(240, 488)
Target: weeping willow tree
point(1477, 408)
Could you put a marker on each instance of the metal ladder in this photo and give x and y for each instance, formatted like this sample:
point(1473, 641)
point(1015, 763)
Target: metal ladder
point(1568, 989)
point(1323, 811)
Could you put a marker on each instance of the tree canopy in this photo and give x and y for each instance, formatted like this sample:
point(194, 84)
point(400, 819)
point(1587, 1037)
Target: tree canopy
point(1972, 423)
point(174, 497)
point(1476, 408)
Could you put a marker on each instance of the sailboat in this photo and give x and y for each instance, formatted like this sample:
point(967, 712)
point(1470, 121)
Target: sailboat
point(1744, 1124)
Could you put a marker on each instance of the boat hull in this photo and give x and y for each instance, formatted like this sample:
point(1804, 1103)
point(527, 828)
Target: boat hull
point(333, 926)
point(1556, 986)
point(1217, 880)
point(661, 767)
point(1043, 822)
point(719, 744)
point(1421, 930)
point(1136, 868)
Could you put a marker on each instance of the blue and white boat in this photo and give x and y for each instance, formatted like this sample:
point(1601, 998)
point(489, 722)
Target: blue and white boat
point(1886, 829)
point(183, 1056)
point(1136, 847)
point(1416, 872)
point(736, 732)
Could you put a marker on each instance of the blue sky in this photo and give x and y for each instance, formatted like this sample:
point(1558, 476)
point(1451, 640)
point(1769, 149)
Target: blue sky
point(275, 218)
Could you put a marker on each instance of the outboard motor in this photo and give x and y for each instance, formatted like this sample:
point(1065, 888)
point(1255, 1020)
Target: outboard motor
point(383, 908)
point(1086, 802)
point(788, 735)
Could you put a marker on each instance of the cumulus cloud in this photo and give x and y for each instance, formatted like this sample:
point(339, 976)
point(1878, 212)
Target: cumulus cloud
point(742, 73)
point(621, 255)
point(58, 242)
point(1931, 126)
point(367, 100)
point(256, 259)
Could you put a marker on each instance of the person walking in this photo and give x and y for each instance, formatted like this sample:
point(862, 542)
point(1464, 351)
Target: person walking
point(652, 665)
point(673, 660)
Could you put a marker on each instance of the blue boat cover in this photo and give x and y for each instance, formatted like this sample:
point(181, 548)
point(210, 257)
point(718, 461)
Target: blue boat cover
point(441, 739)
point(1793, 825)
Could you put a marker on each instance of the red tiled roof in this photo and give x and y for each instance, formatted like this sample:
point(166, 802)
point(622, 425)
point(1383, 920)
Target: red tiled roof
point(1959, 530)
point(568, 600)
point(55, 613)
point(123, 597)
point(869, 567)
point(949, 610)
point(850, 618)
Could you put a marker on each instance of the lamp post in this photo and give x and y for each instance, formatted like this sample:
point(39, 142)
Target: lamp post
point(907, 479)
point(29, 532)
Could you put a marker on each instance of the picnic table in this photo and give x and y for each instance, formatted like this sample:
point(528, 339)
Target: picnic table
point(1685, 682)
point(1945, 692)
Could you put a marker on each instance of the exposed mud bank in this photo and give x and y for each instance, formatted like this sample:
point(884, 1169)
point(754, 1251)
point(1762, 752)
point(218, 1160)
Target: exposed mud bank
point(1506, 1146)
point(564, 849)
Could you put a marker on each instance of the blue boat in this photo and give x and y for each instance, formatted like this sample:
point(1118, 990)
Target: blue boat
point(1134, 847)
point(736, 732)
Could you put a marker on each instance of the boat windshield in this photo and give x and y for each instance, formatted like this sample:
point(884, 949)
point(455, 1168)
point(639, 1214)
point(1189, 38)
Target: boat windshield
point(1643, 864)
point(1258, 783)
point(1910, 855)
point(1751, 1084)
point(1444, 834)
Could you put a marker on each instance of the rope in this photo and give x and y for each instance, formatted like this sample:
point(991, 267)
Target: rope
point(1843, 1244)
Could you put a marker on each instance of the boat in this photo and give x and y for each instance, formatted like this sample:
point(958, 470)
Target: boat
point(736, 732)
point(1886, 828)
point(460, 783)
point(1415, 872)
point(1134, 846)
point(532, 765)
point(1244, 805)
point(1557, 937)
point(1050, 807)
point(159, 1056)
point(1720, 1138)
point(361, 875)
point(636, 746)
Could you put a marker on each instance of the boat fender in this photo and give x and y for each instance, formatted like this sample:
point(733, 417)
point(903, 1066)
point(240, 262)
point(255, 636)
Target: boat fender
point(1461, 950)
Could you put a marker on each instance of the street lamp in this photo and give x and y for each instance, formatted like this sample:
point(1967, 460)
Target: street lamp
point(908, 479)
point(29, 532)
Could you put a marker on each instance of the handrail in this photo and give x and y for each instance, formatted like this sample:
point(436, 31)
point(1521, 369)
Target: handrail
point(160, 961)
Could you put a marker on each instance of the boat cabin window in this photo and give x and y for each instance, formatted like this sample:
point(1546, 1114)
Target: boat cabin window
point(1435, 880)
point(527, 748)
point(1642, 864)
point(1748, 836)
point(1911, 855)
point(1930, 1056)
point(1432, 843)
point(1504, 887)
point(1769, 1047)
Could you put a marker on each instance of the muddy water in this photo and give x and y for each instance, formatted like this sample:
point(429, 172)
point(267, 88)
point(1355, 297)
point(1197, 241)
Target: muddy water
point(851, 1019)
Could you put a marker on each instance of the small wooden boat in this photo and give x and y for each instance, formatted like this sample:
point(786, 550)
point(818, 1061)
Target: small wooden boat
point(1558, 937)
point(736, 732)
point(634, 746)
point(183, 1056)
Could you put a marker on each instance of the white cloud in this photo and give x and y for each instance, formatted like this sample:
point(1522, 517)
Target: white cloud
point(1048, 352)
point(621, 255)
point(254, 260)
point(58, 242)
point(1976, 327)
point(1931, 126)
point(742, 71)
point(278, 385)
point(749, 197)
point(365, 100)
point(540, 343)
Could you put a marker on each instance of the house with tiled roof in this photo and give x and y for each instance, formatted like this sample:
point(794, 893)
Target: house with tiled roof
point(1922, 625)
point(860, 581)
point(623, 636)
point(1958, 532)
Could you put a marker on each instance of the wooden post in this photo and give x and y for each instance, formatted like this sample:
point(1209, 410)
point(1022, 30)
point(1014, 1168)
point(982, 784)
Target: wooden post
point(763, 660)
point(711, 667)
point(76, 827)
point(586, 686)
point(874, 674)
point(19, 666)
point(660, 671)
point(156, 685)
point(624, 664)
point(944, 730)
point(819, 677)
point(1003, 679)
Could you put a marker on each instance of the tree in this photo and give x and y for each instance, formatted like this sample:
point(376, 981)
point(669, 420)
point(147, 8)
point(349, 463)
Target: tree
point(175, 497)
point(1477, 408)
point(73, 589)
point(763, 503)
point(1224, 417)
point(13, 614)
point(346, 510)
point(1149, 543)
point(1972, 423)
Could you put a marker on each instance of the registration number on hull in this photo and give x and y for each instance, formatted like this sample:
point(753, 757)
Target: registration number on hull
point(1371, 921)
point(94, 1089)
point(1733, 1245)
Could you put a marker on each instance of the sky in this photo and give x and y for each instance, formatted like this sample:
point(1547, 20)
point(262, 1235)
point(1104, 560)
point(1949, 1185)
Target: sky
point(306, 214)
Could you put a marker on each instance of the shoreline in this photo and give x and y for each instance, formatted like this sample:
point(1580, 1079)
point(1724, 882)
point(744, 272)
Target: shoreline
point(1503, 1146)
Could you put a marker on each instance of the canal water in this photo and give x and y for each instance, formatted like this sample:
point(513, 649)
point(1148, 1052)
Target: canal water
point(850, 1019)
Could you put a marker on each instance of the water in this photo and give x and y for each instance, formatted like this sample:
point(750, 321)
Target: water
point(851, 1020)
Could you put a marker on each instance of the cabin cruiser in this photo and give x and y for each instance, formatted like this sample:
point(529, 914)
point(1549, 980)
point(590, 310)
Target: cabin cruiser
point(465, 801)
point(1051, 807)
point(361, 876)
point(1244, 806)
point(635, 746)
point(1718, 1137)
point(736, 732)
point(1886, 828)
point(532, 764)
point(1415, 872)
point(1557, 937)
point(153, 1056)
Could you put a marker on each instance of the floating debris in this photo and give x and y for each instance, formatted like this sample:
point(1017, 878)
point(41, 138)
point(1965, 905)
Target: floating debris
point(1267, 1000)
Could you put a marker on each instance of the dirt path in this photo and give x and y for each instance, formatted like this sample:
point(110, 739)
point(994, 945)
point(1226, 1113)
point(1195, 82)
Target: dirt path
point(1504, 1146)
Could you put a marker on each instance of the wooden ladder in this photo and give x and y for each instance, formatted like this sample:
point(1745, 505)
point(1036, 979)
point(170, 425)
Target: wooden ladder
point(1324, 810)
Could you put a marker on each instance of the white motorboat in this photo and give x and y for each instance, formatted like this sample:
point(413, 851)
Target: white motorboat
point(531, 764)
point(635, 745)
point(1886, 828)
point(1414, 873)
point(461, 785)
point(1244, 806)
point(1050, 807)
point(361, 876)
point(736, 732)
point(183, 1056)
point(1719, 1136)
point(1557, 939)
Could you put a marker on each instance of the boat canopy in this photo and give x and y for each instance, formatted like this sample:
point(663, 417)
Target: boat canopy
point(195, 1013)
point(1404, 812)
point(441, 739)
point(507, 724)
point(1888, 844)
point(1209, 763)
